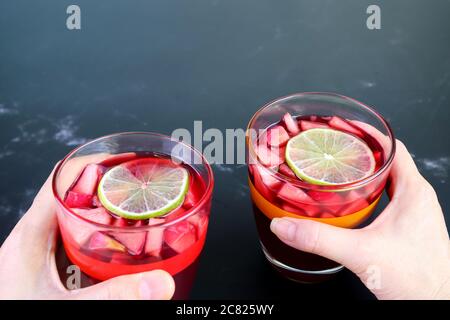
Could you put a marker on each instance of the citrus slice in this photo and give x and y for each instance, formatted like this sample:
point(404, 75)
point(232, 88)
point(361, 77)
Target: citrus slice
point(143, 188)
point(329, 157)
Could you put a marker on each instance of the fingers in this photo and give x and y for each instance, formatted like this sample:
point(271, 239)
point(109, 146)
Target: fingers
point(41, 214)
point(338, 244)
point(152, 285)
point(73, 167)
point(404, 177)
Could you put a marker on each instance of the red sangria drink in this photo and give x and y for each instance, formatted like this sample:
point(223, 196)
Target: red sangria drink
point(133, 202)
point(316, 156)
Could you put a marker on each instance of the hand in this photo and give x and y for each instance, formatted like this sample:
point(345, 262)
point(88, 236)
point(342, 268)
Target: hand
point(407, 247)
point(28, 269)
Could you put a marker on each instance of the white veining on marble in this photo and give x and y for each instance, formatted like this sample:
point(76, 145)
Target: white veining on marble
point(436, 167)
point(66, 129)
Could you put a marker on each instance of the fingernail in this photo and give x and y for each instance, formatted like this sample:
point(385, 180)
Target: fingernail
point(156, 285)
point(283, 228)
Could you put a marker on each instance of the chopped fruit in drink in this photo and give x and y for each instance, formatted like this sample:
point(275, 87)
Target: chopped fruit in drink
point(99, 215)
point(192, 197)
point(200, 221)
point(329, 157)
point(133, 241)
point(96, 202)
point(342, 125)
point(377, 155)
point(180, 236)
point(176, 213)
point(326, 215)
point(268, 179)
point(122, 222)
point(116, 159)
point(292, 209)
point(79, 231)
point(189, 200)
point(129, 245)
point(143, 188)
point(307, 125)
point(262, 139)
point(87, 182)
point(155, 238)
point(100, 241)
point(286, 171)
point(294, 195)
point(291, 124)
point(277, 136)
point(265, 183)
point(312, 210)
point(325, 198)
point(353, 207)
point(376, 193)
point(350, 196)
point(269, 157)
point(259, 185)
point(78, 200)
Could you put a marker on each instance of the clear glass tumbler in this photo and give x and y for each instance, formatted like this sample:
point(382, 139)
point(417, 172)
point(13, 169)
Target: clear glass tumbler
point(276, 194)
point(134, 247)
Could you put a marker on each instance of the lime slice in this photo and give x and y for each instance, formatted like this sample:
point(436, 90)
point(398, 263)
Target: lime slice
point(142, 189)
point(329, 157)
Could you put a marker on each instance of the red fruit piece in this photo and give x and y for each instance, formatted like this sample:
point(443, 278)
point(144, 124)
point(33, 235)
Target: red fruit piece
point(155, 238)
point(87, 181)
point(200, 221)
point(342, 125)
point(294, 195)
point(180, 236)
point(277, 136)
point(353, 207)
point(307, 125)
point(192, 197)
point(292, 209)
point(189, 200)
point(286, 171)
point(312, 210)
point(78, 200)
point(122, 222)
point(175, 214)
point(100, 241)
point(98, 215)
point(351, 196)
point(133, 241)
point(326, 215)
point(265, 183)
point(378, 157)
point(325, 197)
point(291, 124)
point(270, 157)
point(96, 202)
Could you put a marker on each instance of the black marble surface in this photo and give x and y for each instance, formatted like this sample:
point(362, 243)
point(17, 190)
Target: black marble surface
point(160, 65)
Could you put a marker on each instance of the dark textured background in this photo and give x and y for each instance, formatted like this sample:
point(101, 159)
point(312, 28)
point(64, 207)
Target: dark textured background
point(160, 65)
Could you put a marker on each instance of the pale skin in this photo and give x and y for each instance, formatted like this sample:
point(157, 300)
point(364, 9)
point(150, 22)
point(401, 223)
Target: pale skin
point(28, 268)
point(403, 254)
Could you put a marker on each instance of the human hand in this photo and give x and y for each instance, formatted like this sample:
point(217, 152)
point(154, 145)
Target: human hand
point(407, 245)
point(28, 268)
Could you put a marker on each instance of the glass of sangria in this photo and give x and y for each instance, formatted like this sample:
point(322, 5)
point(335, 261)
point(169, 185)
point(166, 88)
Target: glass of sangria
point(318, 156)
point(133, 202)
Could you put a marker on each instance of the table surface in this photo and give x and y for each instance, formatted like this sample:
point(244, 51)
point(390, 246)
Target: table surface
point(160, 65)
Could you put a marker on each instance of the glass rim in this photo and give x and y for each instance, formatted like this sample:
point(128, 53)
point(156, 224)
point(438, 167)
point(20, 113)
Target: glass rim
point(206, 196)
point(310, 186)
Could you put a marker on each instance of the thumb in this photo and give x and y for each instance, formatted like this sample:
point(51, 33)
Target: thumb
point(152, 285)
point(337, 244)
